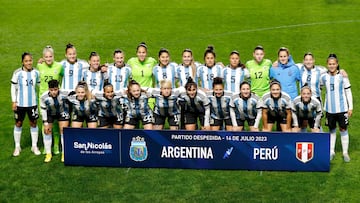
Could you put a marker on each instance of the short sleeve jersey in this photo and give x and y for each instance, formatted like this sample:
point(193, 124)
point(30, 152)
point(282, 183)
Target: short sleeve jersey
point(259, 76)
point(72, 73)
point(142, 71)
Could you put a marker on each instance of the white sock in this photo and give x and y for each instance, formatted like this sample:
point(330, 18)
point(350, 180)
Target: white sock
point(62, 142)
point(34, 136)
point(17, 136)
point(47, 143)
point(344, 141)
point(332, 141)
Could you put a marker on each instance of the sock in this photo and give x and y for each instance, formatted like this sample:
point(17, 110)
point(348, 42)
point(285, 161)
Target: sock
point(34, 136)
point(321, 129)
point(17, 136)
point(47, 143)
point(62, 143)
point(56, 134)
point(344, 141)
point(332, 141)
point(303, 130)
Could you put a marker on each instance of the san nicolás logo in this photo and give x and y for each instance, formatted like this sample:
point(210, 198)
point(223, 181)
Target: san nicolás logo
point(304, 151)
point(138, 149)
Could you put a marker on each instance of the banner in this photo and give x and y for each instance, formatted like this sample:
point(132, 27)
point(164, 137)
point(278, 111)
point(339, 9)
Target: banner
point(197, 149)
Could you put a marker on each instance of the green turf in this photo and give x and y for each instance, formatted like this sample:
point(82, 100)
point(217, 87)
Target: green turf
point(319, 26)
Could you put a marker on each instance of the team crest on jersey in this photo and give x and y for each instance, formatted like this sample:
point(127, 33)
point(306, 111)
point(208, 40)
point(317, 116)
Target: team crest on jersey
point(304, 151)
point(138, 149)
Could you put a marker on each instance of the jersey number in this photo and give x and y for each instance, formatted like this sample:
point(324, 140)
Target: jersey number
point(258, 75)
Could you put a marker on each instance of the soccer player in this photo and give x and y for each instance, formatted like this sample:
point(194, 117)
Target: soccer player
point(23, 95)
point(141, 66)
point(287, 73)
point(235, 73)
point(259, 69)
point(196, 107)
point(247, 107)
point(109, 105)
point(119, 73)
point(165, 70)
point(93, 76)
point(73, 69)
point(220, 111)
point(50, 70)
point(187, 68)
point(306, 110)
point(276, 107)
point(83, 107)
point(338, 105)
point(54, 106)
point(136, 107)
point(166, 106)
point(210, 70)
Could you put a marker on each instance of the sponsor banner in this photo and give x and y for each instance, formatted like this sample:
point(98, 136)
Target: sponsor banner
point(198, 149)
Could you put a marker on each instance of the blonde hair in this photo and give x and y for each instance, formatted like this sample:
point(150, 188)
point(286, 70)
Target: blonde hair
point(48, 48)
point(83, 84)
point(164, 83)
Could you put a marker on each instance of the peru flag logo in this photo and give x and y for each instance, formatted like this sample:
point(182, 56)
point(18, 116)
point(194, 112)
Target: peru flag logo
point(304, 151)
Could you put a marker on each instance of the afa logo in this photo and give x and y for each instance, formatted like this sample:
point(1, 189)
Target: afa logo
point(138, 149)
point(304, 151)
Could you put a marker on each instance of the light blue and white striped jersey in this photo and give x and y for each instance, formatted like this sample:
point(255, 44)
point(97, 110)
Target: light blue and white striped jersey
point(206, 75)
point(276, 107)
point(23, 87)
point(137, 107)
point(219, 106)
point(72, 74)
point(336, 101)
point(165, 106)
point(54, 106)
point(119, 77)
point(95, 80)
point(109, 107)
point(168, 72)
point(245, 108)
point(312, 78)
point(306, 111)
point(233, 78)
point(184, 72)
point(197, 104)
point(85, 108)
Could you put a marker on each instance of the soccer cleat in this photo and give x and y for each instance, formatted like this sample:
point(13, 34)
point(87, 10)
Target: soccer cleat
point(48, 158)
point(56, 150)
point(62, 157)
point(332, 156)
point(36, 151)
point(17, 151)
point(346, 158)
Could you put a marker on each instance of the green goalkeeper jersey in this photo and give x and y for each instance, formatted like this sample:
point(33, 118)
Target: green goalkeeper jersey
point(47, 73)
point(142, 71)
point(259, 76)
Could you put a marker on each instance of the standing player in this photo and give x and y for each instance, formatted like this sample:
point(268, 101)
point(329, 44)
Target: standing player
point(338, 105)
point(164, 70)
point(196, 106)
point(247, 107)
point(187, 68)
point(287, 73)
point(137, 107)
point(276, 107)
point(73, 69)
point(23, 95)
point(220, 111)
point(141, 66)
point(235, 73)
point(50, 70)
point(259, 69)
point(93, 76)
point(306, 110)
point(83, 107)
point(210, 70)
point(54, 106)
point(109, 105)
point(119, 73)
